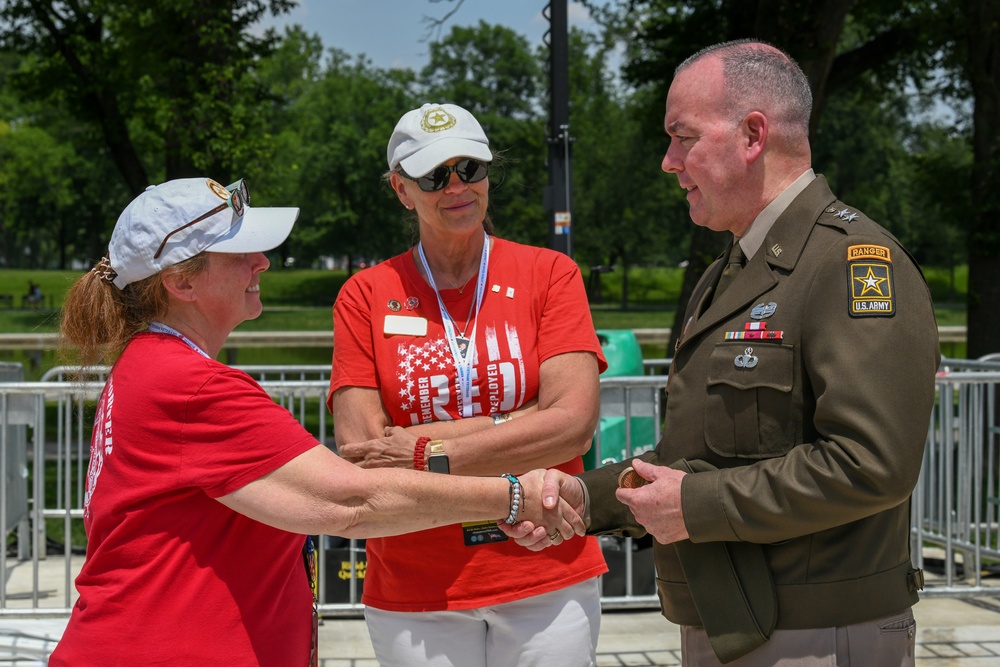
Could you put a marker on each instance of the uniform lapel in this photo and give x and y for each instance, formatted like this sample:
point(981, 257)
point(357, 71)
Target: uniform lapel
point(781, 249)
point(701, 296)
point(755, 279)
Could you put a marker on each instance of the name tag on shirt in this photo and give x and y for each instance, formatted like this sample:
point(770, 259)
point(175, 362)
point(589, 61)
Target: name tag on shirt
point(401, 325)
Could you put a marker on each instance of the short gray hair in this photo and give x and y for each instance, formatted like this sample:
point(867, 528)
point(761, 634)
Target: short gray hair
point(760, 76)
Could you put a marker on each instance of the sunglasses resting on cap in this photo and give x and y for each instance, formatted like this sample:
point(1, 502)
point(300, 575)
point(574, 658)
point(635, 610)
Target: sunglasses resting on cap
point(238, 198)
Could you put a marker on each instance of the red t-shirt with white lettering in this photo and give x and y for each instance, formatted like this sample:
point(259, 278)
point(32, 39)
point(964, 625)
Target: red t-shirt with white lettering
point(534, 307)
point(173, 576)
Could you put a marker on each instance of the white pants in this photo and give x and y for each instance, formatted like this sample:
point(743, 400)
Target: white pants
point(557, 628)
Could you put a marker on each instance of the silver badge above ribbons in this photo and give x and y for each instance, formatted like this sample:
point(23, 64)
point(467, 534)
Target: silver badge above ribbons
point(763, 310)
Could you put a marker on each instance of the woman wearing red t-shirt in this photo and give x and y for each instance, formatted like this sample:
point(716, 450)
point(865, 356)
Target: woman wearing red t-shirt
point(468, 354)
point(200, 488)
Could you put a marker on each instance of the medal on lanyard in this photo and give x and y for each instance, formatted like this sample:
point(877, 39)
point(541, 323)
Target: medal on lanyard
point(462, 350)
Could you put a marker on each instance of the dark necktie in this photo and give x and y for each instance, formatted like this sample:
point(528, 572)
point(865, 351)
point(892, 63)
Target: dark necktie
point(733, 267)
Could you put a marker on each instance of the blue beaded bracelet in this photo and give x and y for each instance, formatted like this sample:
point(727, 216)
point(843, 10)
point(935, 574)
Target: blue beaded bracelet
point(515, 498)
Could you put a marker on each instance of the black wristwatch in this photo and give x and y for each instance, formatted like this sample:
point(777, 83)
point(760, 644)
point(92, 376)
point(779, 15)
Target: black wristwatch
point(437, 460)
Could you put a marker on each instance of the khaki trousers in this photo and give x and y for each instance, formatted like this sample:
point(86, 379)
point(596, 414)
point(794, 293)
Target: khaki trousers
point(884, 642)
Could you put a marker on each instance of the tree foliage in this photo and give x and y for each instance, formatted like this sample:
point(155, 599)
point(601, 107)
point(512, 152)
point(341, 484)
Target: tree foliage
point(99, 98)
point(868, 64)
point(189, 96)
point(492, 72)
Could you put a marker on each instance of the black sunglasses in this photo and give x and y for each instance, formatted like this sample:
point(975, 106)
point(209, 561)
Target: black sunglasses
point(469, 170)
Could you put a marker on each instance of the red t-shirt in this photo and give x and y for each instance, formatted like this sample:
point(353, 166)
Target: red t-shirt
point(534, 307)
point(172, 576)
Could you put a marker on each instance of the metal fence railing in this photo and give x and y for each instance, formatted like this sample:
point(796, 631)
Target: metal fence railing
point(45, 441)
point(955, 507)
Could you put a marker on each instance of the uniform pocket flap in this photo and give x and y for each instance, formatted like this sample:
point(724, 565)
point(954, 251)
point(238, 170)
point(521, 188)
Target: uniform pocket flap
point(751, 366)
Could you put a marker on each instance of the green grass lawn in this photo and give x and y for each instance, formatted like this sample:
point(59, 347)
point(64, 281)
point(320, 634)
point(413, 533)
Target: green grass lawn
point(301, 299)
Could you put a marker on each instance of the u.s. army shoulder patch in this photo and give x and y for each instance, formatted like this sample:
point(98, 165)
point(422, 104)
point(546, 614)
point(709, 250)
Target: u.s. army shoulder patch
point(869, 272)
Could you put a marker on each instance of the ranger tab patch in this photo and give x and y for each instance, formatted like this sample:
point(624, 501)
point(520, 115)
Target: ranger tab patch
point(869, 273)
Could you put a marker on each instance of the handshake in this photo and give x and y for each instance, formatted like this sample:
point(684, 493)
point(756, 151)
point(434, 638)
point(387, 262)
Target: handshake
point(555, 506)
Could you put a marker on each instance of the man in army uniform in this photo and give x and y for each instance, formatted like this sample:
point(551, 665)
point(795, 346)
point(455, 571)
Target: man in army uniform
point(798, 401)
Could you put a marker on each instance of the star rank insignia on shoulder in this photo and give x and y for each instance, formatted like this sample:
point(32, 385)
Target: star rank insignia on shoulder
point(869, 274)
point(844, 214)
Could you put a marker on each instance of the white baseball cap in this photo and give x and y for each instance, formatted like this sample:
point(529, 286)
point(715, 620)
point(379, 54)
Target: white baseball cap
point(433, 134)
point(162, 209)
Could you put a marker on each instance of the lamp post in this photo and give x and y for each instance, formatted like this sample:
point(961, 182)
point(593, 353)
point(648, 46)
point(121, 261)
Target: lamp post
point(557, 195)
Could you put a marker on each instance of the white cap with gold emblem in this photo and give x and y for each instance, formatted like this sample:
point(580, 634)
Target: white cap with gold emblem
point(433, 134)
point(175, 221)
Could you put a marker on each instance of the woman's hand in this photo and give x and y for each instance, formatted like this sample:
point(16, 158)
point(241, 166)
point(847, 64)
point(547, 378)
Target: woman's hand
point(552, 512)
point(394, 450)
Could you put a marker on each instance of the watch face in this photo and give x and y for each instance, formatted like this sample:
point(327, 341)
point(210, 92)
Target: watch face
point(438, 463)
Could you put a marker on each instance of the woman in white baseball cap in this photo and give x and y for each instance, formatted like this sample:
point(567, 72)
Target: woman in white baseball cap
point(468, 354)
point(200, 488)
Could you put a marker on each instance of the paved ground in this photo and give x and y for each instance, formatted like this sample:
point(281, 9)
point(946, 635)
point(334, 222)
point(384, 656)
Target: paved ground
point(951, 633)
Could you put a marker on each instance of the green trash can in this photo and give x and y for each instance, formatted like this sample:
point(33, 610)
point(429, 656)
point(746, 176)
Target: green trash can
point(610, 445)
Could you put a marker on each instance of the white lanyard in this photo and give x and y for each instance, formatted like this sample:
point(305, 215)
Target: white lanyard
point(463, 363)
point(159, 327)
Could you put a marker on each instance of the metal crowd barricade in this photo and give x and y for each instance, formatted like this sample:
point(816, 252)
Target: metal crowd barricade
point(955, 506)
point(631, 582)
point(58, 413)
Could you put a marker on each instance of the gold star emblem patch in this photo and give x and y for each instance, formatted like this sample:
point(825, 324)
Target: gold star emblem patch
point(869, 273)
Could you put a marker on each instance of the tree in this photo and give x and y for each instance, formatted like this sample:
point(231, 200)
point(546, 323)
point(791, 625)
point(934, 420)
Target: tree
point(56, 193)
point(133, 92)
point(940, 156)
point(982, 70)
point(167, 82)
point(837, 42)
point(488, 69)
point(624, 208)
point(331, 153)
point(29, 157)
point(491, 71)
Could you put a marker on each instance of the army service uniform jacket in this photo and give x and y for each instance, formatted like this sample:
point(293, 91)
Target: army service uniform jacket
point(809, 385)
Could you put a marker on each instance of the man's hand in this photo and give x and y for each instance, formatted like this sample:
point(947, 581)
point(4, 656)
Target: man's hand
point(657, 505)
point(553, 510)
